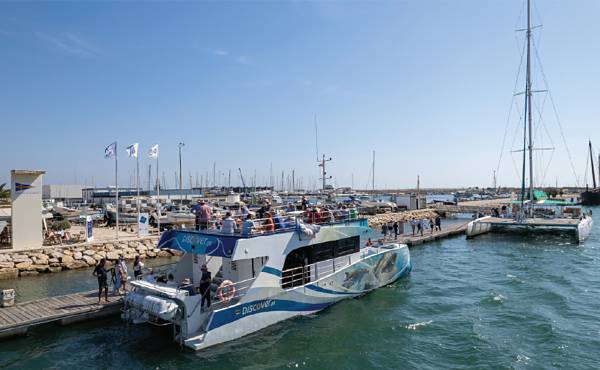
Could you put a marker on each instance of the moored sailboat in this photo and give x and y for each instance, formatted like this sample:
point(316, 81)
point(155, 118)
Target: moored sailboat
point(529, 214)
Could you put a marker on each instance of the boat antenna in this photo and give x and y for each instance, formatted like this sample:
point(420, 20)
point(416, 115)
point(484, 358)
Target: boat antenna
point(592, 165)
point(316, 138)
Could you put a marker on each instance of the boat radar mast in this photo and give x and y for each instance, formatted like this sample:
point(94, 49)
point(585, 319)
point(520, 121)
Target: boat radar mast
point(324, 176)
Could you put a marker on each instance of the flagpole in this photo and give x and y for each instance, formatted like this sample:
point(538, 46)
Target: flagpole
point(158, 195)
point(137, 184)
point(117, 189)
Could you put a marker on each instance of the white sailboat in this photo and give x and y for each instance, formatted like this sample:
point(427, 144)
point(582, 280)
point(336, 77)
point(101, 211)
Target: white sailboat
point(531, 214)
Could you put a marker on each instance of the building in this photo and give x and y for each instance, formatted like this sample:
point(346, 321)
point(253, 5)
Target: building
point(63, 193)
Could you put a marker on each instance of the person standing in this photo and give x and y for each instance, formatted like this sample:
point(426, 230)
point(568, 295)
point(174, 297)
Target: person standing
point(413, 225)
point(196, 211)
point(395, 226)
point(138, 265)
point(438, 223)
point(384, 230)
point(102, 274)
point(431, 225)
point(205, 213)
point(205, 281)
point(229, 225)
point(305, 203)
point(420, 226)
point(122, 274)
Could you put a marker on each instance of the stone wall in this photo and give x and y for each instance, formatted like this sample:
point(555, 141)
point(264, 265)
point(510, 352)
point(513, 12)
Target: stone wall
point(55, 259)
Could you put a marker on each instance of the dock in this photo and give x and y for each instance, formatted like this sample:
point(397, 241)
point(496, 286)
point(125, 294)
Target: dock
point(62, 310)
point(428, 236)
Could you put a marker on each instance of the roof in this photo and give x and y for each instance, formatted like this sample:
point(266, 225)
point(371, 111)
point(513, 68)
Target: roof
point(27, 172)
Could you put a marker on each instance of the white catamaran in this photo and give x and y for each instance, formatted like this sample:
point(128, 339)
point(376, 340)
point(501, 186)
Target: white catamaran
point(531, 213)
point(297, 264)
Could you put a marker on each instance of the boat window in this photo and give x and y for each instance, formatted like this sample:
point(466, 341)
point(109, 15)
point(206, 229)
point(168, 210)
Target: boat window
point(302, 257)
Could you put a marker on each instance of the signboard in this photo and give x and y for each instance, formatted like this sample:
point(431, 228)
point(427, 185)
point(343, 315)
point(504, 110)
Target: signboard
point(89, 228)
point(143, 224)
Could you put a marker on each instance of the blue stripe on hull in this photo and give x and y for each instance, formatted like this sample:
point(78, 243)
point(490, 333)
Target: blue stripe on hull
point(232, 314)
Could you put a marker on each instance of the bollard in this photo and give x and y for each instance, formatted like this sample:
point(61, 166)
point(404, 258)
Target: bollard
point(7, 297)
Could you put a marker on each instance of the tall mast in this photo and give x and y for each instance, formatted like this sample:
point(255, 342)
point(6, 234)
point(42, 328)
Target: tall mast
point(373, 171)
point(529, 106)
point(593, 169)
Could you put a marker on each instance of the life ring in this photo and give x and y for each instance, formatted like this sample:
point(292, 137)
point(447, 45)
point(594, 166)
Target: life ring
point(226, 291)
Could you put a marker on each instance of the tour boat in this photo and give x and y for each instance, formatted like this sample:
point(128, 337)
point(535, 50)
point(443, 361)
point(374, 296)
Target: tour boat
point(263, 277)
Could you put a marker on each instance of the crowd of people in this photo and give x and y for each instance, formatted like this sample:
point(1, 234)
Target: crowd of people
point(119, 276)
point(267, 218)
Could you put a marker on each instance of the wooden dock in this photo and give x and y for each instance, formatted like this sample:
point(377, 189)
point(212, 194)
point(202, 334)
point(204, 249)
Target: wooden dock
point(428, 236)
point(63, 310)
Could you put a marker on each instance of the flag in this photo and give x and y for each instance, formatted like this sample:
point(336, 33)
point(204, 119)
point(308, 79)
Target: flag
point(110, 150)
point(132, 150)
point(153, 152)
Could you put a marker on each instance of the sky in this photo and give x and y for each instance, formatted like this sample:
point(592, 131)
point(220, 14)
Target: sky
point(426, 84)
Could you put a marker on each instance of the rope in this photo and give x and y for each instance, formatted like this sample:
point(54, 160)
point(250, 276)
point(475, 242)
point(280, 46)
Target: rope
point(562, 134)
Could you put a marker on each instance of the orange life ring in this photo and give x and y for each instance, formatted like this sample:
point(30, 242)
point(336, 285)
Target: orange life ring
point(226, 291)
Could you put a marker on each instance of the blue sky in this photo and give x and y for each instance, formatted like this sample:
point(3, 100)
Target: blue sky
point(427, 84)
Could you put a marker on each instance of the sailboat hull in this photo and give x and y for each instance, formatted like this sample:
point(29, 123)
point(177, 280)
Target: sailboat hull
point(591, 197)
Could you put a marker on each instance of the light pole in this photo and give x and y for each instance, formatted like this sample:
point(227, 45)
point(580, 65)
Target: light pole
point(180, 145)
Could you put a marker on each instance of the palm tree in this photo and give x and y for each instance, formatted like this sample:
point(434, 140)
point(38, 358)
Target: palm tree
point(4, 193)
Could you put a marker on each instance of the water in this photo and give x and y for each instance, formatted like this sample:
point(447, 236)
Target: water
point(492, 302)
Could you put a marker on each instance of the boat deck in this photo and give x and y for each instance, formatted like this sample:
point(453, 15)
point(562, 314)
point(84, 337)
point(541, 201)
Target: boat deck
point(533, 222)
point(66, 309)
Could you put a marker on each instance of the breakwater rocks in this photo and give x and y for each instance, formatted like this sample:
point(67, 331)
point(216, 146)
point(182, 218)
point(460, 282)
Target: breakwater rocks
point(55, 259)
point(405, 216)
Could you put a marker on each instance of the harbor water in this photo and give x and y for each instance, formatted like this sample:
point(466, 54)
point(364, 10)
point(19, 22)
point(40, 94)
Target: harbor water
point(496, 301)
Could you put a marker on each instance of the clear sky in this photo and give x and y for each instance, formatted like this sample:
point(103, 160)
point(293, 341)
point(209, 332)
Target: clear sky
point(427, 84)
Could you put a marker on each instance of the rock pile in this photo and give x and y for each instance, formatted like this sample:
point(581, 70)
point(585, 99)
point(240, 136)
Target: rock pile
point(405, 216)
point(24, 263)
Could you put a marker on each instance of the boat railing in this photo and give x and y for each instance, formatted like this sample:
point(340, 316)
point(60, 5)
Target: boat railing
point(301, 275)
point(239, 290)
point(289, 221)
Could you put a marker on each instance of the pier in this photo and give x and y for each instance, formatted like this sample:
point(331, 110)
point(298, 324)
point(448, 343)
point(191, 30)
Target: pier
point(63, 310)
point(428, 236)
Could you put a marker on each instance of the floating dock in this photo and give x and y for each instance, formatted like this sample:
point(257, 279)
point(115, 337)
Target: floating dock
point(428, 236)
point(63, 310)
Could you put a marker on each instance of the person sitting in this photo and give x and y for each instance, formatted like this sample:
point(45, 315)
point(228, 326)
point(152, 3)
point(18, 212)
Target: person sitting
point(205, 281)
point(247, 226)
point(369, 243)
point(150, 276)
point(186, 285)
point(229, 226)
point(279, 222)
point(290, 208)
point(269, 225)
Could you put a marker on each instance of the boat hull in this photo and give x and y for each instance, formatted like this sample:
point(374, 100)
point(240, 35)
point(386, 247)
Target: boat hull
point(369, 273)
point(590, 197)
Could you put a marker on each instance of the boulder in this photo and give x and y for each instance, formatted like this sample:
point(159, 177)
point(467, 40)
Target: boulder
point(102, 254)
point(5, 257)
point(55, 254)
point(113, 256)
point(89, 252)
point(130, 256)
point(7, 265)
point(40, 268)
point(28, 273)
point(9, 273)
point(66, 259)
point(77, 264)
point(54, 269)
point(77, 255)
point(24, 266)
point(97, 257)
point(40, 260)
point(176, 252)
point(17, 258)
point(89, 260)
point(151, 254)
point(163, 253)
point(67, 252)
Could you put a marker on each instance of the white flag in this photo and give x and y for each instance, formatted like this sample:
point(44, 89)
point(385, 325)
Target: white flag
point(153, 152)
point(132, 150)
point(110, 150)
